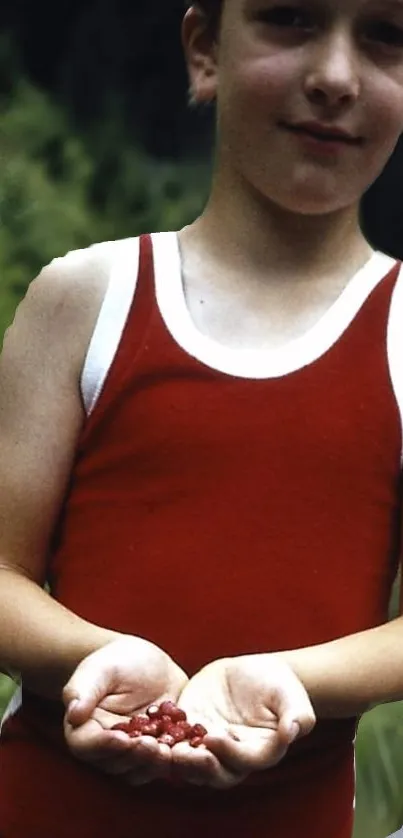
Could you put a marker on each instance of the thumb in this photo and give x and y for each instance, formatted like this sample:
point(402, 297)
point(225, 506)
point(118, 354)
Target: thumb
point(86, 688)
point(294, 710)
point(289, 730)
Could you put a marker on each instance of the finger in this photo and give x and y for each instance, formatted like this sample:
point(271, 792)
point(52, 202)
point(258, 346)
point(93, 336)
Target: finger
point(87, 687)
point(90, 742)
point(146, 773)
point(288, 730)
point(295, 718)
point(139, 765)
point(202, 768)
point(258, 750)
point(117, 766)
point(152, 761)
point(292, 705)
point(107, 720)
point(115, 753)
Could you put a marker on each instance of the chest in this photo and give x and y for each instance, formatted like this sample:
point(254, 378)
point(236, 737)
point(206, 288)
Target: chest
point(261, 315)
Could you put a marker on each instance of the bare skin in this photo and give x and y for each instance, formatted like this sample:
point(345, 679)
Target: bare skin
point(109, 686)
point(283, 215)
point(41, 416)
point(102, 676)
point(288, 221)
point(253, 713)
point(268, 311)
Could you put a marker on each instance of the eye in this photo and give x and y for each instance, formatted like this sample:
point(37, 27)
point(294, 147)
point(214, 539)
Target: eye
point(291, 17)
point(386, 34)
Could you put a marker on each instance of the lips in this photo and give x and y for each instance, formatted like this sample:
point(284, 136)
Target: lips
point(324, 133)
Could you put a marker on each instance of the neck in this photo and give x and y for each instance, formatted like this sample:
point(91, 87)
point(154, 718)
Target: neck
point(248, 232)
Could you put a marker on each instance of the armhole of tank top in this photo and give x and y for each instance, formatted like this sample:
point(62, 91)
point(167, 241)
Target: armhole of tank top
point(395, 347)
point(111, 320)
point(104, 343)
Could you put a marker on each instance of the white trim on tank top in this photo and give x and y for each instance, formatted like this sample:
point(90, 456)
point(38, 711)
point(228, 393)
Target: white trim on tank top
point(257, 363)
point(242, 363)
point(294, 355)
point(102, 348)
point(395, 346)
point(111, 320)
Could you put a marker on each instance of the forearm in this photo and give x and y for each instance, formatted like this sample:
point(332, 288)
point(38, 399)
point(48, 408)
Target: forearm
point(349, 676)
point(39, 638)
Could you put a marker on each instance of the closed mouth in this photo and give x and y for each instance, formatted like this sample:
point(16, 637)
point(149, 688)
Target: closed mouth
point(324, 136)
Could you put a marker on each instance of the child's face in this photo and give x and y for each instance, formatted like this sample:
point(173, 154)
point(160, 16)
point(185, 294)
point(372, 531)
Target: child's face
point(280, 63)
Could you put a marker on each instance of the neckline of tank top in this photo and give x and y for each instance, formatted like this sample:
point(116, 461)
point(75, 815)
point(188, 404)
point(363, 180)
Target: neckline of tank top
point(256, 363)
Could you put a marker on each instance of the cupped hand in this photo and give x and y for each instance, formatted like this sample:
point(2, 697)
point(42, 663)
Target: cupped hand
point(253, 707)
point(110, 686)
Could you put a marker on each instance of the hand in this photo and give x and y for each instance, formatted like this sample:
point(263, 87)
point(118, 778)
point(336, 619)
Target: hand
point(254, 707)
point(109, 686)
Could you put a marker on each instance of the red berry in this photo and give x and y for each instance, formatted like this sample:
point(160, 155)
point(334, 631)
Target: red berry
point(138, 722)
point(197, 730)
point(178, 715)
point(177, 733)
point(122, 726)
point(152, 729)
point(166, 739)
point(196, 741)
point(185, 726)
point(161, 726)
point(165, 724)
point(167, 708)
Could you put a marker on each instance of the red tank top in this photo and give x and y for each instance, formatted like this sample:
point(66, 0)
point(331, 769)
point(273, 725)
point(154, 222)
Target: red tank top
point(220, 515)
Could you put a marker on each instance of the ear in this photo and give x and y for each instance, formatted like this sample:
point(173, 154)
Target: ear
point(200, 48)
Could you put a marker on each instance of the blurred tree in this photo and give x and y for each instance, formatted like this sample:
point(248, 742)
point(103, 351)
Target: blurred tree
point(103, 59)
point(60, 191)
point(87, 53)
point(93, 110)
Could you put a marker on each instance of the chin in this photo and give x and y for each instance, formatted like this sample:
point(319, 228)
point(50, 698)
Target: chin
point(314, 209)
point(312, 203)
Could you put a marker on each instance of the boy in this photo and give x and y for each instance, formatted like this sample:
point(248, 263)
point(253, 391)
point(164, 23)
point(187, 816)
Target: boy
point(201, 452)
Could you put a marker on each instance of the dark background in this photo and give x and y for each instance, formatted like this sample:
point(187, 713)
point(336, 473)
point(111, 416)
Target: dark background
point(97, 142)
point(88, 54)
point(108, 59)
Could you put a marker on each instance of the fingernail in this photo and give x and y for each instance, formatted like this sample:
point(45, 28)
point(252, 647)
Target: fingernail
point(72, 706)
point(294, 731)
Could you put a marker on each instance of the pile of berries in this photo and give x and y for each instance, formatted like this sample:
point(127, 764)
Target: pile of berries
point(165, 722)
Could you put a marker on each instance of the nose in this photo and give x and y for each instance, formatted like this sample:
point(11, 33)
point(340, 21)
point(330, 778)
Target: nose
point(333, 77)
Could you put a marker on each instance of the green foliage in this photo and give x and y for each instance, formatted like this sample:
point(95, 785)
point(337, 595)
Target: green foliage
point(60, 191)
point(379, 772)
point(40, 217)
point(7, 688)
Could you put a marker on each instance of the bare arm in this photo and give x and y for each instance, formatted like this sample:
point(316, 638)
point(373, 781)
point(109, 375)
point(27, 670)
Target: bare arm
point(41, 416)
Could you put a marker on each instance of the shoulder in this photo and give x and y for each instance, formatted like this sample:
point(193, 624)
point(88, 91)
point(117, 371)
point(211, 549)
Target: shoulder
point(79, 279)
point(56, 319)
